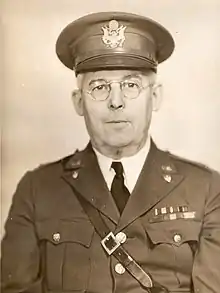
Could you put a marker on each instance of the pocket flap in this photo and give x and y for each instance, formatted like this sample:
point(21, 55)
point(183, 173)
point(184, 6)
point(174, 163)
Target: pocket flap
point(60, 231)
point(174, 232)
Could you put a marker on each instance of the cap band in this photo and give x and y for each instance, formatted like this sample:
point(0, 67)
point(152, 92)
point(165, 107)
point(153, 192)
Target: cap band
point(134, 45)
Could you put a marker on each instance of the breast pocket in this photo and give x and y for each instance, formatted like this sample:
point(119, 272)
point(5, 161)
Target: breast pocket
point(66, 253)
point(173, 244)
point(175, 232)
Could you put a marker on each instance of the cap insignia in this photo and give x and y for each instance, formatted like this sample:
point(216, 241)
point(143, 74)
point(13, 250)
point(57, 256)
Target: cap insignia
point(113, 36)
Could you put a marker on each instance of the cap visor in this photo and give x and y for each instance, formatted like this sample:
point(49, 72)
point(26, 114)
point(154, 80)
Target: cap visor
point(111, 62)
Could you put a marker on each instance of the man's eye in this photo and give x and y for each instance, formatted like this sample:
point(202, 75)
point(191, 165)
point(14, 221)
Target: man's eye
point(130, 85)
point(100, 87)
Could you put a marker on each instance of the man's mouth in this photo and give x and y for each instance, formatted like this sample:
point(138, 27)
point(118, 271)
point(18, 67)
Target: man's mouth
point(118, 124)
point(117, 121)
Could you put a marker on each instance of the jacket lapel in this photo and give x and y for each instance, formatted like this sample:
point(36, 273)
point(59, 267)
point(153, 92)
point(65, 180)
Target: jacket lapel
point(82, 172)
point(157, 179)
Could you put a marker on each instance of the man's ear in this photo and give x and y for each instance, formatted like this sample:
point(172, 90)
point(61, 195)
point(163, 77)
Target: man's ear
point(157, 96)
point(77, 101)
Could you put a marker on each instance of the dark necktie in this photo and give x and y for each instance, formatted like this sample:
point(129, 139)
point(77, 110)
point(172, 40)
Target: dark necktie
point(119, 191)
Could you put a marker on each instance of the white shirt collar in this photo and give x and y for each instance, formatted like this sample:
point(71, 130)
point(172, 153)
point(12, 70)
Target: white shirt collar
point(132, 166)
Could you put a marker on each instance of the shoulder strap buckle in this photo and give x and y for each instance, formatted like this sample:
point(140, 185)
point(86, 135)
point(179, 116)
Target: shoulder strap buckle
point(109, 243)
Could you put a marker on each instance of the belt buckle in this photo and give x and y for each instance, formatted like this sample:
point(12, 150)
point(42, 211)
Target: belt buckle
point(109, 243)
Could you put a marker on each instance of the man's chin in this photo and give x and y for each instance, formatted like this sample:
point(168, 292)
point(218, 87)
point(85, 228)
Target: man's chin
point(119, 143)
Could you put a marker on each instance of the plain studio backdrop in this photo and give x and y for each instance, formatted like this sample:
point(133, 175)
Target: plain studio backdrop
point(39, 122)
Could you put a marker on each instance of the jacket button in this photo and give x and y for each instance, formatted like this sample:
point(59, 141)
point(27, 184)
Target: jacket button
point(56, 237)
point(121, 237)
point(177, 238)
point(119, 269)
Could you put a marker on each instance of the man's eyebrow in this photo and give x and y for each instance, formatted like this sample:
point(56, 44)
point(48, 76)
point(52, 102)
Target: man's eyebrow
point(95, 80)
point(132, 76)
point(136, 75)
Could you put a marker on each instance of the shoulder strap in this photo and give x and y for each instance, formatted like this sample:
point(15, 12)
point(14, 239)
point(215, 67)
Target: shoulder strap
point(115, 248)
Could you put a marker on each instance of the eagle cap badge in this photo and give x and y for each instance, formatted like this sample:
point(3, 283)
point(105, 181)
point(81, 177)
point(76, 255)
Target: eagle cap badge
point(113, 36)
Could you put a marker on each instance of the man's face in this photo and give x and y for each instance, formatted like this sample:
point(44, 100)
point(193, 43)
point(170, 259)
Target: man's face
point(117, 107)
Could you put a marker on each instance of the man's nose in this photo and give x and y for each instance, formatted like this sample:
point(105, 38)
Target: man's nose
point(116, 98)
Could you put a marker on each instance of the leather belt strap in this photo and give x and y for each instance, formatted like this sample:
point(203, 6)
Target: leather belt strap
point(113, 247)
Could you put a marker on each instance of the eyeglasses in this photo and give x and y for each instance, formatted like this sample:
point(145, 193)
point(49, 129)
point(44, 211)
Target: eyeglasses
point(129, 88)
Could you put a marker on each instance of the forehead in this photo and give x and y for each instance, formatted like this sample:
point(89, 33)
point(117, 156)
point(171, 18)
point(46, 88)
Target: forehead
point(110, 75)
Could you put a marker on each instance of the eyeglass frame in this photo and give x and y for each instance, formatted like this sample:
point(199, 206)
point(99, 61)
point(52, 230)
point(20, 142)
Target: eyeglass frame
point(141, 88)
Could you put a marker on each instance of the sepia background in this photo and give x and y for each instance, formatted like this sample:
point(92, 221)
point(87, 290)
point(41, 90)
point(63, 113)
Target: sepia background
point(39, 123)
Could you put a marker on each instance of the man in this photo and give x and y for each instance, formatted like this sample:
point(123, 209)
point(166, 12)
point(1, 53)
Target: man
point(121, 215)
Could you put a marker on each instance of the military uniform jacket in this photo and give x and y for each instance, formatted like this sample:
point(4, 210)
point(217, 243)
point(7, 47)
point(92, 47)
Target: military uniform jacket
point(171, 220)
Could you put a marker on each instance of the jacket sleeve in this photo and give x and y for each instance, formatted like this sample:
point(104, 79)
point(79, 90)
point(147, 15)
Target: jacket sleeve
point(20, 263)
point(206, 270)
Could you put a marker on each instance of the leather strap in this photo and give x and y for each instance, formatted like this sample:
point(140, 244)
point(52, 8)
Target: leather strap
point(112, 247)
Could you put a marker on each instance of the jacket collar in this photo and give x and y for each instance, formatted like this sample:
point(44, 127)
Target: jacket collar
point(158, 178)
point(83, 173)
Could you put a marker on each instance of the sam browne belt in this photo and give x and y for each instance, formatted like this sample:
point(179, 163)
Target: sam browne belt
point(113, 246)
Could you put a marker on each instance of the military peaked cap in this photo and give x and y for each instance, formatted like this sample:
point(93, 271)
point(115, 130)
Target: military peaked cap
point(113, 40)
